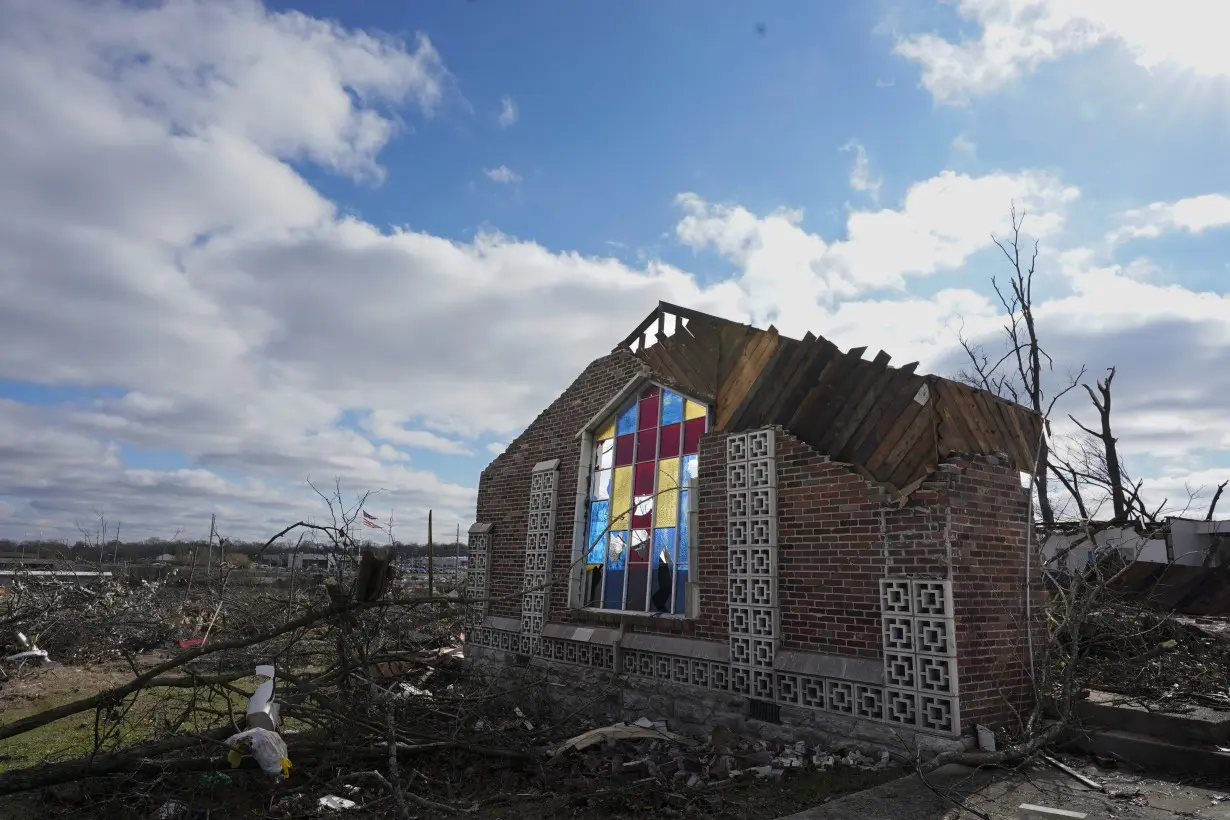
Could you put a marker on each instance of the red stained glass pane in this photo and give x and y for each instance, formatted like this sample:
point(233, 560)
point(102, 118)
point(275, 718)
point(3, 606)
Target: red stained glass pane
point(646, 442)
point(692, 431)
point(623, 449)
point(670, 441)
point(646, 519)
point(639, 552)
point(648, 415)
point(642, 483)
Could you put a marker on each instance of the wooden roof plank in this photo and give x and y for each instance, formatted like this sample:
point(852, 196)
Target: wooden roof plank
point(880, 426)
point(730, 344)
point(893, 433)
point(836, 398)
point(743, 375)
point(874, 395)
point(685, 375)
point(958, 433)
point(887, 461)
point(750, 411)
point(814, 397)
point(889, 391)
point(920, 459)
point(822, 353)
point(800, 352)
point(992, 438)
point(1012, 415)
point(690, 354)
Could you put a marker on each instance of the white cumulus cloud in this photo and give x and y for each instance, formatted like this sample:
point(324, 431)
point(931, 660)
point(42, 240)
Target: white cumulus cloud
point(1019, 35)
point(1194, 214)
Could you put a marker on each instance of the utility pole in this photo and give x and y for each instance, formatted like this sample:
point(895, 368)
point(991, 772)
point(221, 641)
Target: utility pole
point(209, 560)
point(457, 555)
point(431, 572)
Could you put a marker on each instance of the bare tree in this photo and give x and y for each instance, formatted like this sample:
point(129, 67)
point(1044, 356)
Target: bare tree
point(1018, 374)
point(1110, 450)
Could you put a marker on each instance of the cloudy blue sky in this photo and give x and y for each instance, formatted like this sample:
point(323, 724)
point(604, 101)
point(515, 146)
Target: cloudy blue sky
point(242, 245)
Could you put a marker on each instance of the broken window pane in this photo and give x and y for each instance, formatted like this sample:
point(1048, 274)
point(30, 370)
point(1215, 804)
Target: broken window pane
point(661, 569)
point(689, 468)
point(602, 485)
point(593, 586)
point(604, 454)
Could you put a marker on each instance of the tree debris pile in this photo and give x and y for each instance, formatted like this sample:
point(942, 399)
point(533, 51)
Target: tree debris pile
point(89, 623)
point(1162, 660)
point(339, 698)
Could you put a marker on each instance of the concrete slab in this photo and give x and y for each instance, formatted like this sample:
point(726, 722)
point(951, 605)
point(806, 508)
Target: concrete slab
point(998, 796)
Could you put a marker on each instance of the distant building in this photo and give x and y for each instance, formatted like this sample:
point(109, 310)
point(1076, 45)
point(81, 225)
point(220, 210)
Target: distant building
point(326, 561)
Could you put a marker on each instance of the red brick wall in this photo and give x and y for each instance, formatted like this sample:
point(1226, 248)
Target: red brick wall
point(829, 554)
point(838, 535)
point(990, 553)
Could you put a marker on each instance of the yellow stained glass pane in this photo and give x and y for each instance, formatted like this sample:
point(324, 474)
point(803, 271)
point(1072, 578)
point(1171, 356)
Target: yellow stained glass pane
point(608, 431)
point(692, 410)
point(668, 493)
point(668, 509)
point(621, 497)
point(668, 474)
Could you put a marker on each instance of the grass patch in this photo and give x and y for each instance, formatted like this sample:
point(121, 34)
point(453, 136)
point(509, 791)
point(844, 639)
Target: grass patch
point(156, 712)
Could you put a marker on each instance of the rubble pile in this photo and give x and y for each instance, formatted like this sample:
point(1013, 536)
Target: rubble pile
point(647, 749)
point(1158, 658)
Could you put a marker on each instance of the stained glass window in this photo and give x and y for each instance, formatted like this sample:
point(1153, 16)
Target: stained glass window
point(637, 548)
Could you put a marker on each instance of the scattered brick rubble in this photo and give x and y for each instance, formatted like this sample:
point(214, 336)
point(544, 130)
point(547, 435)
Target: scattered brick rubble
point(648, 749)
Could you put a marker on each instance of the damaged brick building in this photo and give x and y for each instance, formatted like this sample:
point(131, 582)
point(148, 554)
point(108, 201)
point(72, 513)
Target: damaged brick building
point(741, 526)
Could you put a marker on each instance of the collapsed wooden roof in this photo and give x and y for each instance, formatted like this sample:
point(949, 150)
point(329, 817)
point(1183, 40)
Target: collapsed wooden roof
point(892, 424)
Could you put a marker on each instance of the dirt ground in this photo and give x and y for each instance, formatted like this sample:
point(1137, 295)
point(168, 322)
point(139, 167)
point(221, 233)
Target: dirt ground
point(37, 687)
point(1129, 796)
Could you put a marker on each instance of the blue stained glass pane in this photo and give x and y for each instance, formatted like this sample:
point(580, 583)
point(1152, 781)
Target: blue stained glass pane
point(663, 544)
point(599, 516)
point(689, 467)
point(597, 551)
point(626, 423)
point(618, 552)
point(613, 589)
point(683, 530)
point(672, 407)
